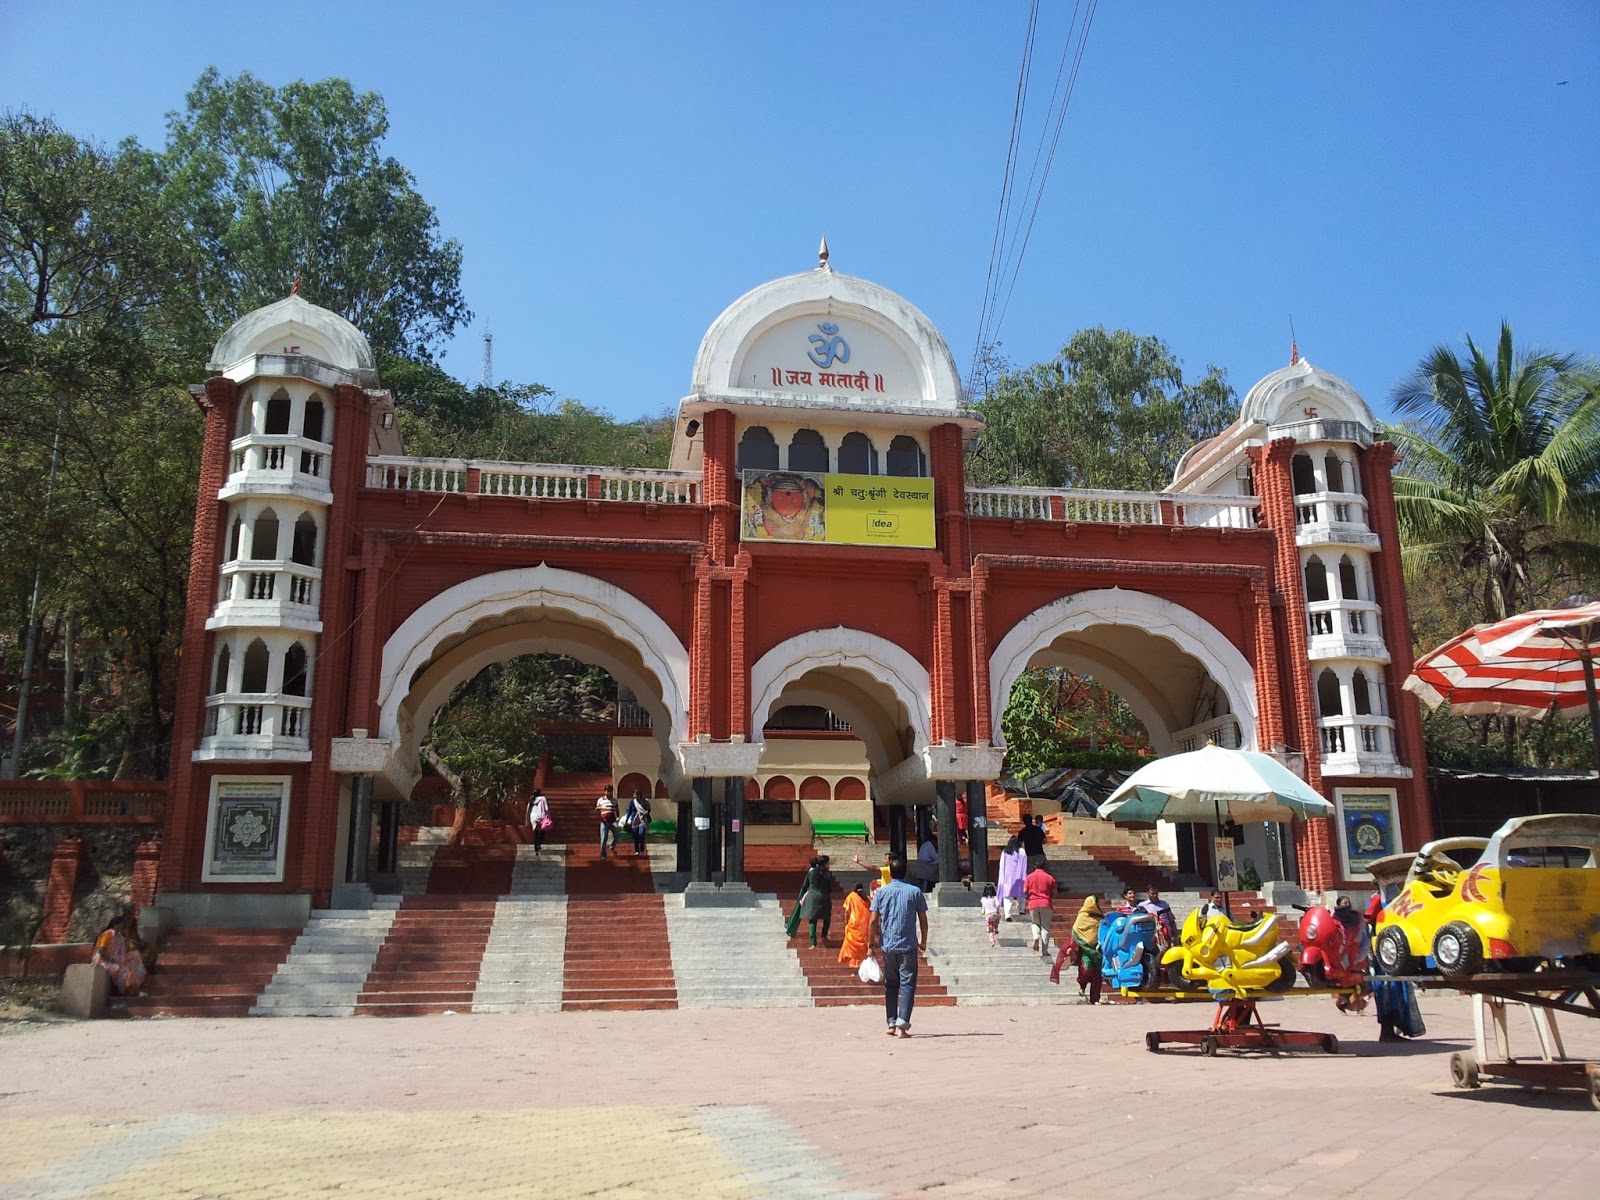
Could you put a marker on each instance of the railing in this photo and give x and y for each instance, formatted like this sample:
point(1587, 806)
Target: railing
point(1349, 618)
point(1223, 730)
point(255, 579)
point(69, 801)
point(1365, 734)
point(632, 716)
point(1330, 508)
point(1114, 508)
point(280, 452)
point(533, 481)
point(270, 716)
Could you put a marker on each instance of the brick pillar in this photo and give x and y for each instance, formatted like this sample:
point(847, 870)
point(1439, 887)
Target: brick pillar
point(185, 823)
point(946, 463)
point(65, 865)
point(982, 730)
point(1377, 483)
point(1273, 464)
point(146, 864)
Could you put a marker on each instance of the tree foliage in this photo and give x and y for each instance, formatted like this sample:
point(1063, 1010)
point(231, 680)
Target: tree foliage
point(1055, 714)
point(1111, 410)
point(1502, 471)
point(284, 183)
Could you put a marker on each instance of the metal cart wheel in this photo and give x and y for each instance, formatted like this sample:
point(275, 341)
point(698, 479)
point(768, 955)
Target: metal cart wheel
point(1330, 1044)
point(1208, 1046)
point(1464, 1070)
point(1152, 1042)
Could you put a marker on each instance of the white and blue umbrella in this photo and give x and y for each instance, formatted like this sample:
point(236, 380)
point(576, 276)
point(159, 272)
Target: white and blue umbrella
point(1213, 784)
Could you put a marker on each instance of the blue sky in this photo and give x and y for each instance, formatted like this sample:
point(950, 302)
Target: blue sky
point(1392, 175)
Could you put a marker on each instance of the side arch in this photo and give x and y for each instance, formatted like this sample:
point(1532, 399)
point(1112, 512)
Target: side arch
point(1191, 633)
point(491, 603)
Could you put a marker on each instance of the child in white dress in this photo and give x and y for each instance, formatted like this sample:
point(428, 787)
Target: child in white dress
point(992, 905)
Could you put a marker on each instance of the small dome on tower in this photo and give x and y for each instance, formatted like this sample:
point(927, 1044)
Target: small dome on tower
point(1302, 392)
point(294, 326)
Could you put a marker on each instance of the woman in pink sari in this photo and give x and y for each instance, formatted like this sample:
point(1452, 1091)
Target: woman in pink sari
point(119, 958)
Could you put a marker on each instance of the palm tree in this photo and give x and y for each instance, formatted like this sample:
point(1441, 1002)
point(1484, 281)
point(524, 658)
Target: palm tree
point(1503, 468)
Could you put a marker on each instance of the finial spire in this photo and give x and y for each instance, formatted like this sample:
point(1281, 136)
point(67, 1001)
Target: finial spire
point(295, 290)
point(822, 255)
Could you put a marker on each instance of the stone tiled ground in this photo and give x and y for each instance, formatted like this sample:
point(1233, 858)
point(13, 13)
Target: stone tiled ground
point(789, 1104)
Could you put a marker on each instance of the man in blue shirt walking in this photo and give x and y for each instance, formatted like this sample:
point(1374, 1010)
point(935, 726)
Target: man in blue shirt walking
point(899, 927)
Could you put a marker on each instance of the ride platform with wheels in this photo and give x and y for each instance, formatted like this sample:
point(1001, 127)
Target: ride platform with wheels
point(1542, 995)
point(1237, 1024)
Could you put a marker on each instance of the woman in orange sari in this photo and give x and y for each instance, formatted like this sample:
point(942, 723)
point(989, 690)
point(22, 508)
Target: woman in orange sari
point(858, 916)
point(120, 960)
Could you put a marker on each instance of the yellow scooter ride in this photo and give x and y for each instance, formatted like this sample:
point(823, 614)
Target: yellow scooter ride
point(1227, 957)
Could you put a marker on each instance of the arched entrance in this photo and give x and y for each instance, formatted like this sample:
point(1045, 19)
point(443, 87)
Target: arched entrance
point(537, 610)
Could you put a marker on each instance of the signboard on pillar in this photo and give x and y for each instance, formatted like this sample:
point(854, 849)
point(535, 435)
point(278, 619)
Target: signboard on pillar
point(1369, 826)
point(245, 829)
point(1223, 855)
point(840, 510)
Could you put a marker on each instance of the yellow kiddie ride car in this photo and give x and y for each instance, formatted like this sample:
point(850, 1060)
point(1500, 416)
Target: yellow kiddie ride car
point(1533, 896)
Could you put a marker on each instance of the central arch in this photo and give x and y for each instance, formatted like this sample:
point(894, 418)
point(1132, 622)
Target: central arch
point(542, 609)
point(858, 675)
point(1047, 637)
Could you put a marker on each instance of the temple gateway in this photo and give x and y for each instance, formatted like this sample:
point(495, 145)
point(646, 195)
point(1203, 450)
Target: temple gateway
point(814, 621)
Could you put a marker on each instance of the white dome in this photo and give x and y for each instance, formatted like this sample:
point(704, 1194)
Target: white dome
point(1302, 392)
point(294, 326)
point(805, 334)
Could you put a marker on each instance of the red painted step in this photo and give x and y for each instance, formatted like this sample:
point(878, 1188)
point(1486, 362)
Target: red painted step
point(779, 869)
point(617, 954)
point(834, 985)
point(430, 961)
point(472, 870)
point(619, 873)
point(208, 973)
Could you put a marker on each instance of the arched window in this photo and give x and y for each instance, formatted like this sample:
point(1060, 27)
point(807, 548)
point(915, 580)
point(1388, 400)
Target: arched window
point(1334, 469)
point(311, 426)
point(1304, 474)
point(278, 412)
point(235, 535)
point(247, 413)
point(850, 788)
point(808, 452)
point(1360, 696)
point(256, 661)
point(1328, 702)
point(294, 671)
point(264, 537)
point(906, 458)
point(219, 678)
point(780, 787)
point(758, 450)
point(1347, 579)
point(305, 541)
point(1316, 580)
point(815, 787)
point(857, 455)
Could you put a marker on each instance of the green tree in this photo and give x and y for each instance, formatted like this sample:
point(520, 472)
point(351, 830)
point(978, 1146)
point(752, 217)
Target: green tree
point(98, 446)
point(1111, 410)
point(1056, 716)
point(1502, 470)
point(286, 183)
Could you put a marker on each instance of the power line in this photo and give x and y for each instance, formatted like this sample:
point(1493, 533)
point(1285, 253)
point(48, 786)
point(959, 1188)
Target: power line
point(1010, 243)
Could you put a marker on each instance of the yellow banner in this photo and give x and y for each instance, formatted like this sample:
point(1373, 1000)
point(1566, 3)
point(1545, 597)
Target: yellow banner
point(847, 510)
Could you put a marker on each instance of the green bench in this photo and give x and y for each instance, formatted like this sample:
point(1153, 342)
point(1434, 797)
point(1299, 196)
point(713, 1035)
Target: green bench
point(664, 829)
point(839, 829)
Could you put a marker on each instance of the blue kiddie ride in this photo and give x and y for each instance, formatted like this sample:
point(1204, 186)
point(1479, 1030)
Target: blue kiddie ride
point(1128, 950)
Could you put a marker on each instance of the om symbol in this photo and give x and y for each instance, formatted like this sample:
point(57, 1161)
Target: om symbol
point(830, 346)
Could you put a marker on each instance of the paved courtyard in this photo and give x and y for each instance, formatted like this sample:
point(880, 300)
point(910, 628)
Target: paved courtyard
point(788, 1104)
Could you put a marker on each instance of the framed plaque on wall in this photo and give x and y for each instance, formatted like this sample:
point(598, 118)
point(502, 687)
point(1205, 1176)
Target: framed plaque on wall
point(245, 829)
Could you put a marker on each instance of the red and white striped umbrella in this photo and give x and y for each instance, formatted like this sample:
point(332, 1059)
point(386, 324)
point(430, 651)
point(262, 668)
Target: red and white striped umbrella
point(1520, 666)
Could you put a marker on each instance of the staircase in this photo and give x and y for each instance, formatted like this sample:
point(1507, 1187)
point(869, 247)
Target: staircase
point(522, 960)
point(329, 963)
point(616, 954)
point(572, 795)
point(430, 961)
point(734, 957)
point(976, 973)
point(208, 973)
point(834, 985)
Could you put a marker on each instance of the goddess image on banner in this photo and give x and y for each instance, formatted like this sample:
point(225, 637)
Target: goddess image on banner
point(785, 506)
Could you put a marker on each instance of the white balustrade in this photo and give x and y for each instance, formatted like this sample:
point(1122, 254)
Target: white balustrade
point(533, 481)
point(1114, 508)
point(1223, 731)
point(1017, 504)
point(284, 582)
point(265, 717)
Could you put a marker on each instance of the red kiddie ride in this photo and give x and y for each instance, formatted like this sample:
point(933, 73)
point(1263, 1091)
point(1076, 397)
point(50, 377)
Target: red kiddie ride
point(1330, 951)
